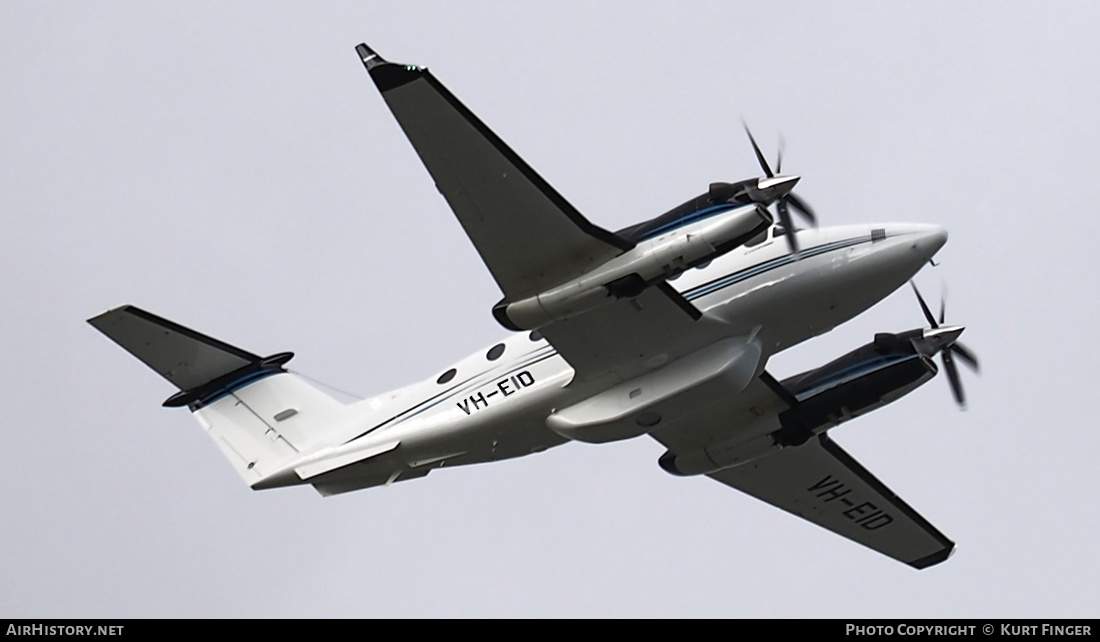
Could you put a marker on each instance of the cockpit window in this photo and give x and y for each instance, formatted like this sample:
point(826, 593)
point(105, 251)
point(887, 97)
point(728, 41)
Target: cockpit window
point(779, 230)
point(757, 240)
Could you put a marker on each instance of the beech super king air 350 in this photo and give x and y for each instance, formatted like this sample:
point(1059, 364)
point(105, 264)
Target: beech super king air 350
point(661, 329)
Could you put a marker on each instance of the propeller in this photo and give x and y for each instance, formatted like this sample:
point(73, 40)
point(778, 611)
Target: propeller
point(786, 200)
point(944, 339)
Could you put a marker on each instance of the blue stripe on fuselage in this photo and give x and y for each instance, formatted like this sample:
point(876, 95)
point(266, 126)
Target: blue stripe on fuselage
point(767, 266)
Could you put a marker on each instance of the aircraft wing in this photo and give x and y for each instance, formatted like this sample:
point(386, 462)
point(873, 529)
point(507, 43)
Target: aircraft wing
point(817, 481)
point(630, 336)
point(529, 236)
point(820, 482)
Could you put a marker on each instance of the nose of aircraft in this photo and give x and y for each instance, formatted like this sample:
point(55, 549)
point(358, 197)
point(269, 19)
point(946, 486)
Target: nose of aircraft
point(900, 251)
point(927, 239)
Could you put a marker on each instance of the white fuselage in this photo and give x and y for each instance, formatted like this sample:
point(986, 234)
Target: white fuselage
point(497, 409)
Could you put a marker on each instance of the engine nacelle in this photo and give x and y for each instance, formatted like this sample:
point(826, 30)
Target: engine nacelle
point(863, 380)
point(854, 385)
point(627, 275)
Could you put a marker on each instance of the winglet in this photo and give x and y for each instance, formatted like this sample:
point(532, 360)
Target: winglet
point(385, 74)
point(369, 56)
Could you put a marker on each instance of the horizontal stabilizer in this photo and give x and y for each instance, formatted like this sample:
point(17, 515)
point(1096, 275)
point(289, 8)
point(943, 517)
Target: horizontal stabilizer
point(196, 364)
point(260, 416)
point(331, 463)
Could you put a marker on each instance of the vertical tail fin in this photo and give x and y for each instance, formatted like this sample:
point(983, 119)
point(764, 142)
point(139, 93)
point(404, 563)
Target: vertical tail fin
point(260, 416)
point(265, 425)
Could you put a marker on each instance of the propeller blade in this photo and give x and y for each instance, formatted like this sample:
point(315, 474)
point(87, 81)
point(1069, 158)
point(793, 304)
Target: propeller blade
point(785, 221)
point(943, 301)
point(953, 379)
point(759, 155)
point(802, 208)
point(966, 355)
point(924, 306)
point(779, 156)
point(944, 342)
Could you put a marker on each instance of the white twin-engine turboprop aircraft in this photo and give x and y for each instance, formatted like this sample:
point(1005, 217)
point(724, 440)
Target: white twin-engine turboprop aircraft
point(660, 329)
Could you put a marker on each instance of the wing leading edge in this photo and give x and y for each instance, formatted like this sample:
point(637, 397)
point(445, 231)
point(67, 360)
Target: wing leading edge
point(529, 236)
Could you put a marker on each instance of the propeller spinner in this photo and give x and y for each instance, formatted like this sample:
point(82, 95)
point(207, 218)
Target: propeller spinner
point(944, 339)
point(777, 188)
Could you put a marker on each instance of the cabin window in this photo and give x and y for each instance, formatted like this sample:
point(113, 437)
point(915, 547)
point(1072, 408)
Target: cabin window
point(446, 376)
point(495, 352)
point(703, 265)
point(535, 335)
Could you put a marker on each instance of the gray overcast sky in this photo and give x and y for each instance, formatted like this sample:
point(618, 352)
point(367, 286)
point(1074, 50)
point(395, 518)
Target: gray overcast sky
point(233, 168)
